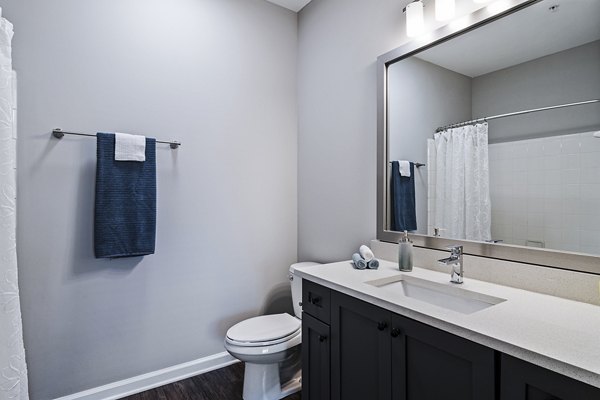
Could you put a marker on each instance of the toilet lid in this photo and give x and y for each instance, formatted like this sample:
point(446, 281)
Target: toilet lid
point(265, 328)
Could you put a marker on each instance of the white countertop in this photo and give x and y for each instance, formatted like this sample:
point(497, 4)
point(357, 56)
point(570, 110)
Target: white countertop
point(557, 334)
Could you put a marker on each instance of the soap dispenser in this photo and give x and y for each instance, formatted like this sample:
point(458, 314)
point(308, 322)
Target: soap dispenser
point(405, 253)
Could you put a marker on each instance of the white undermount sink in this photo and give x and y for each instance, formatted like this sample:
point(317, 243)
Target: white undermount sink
point(448, 296)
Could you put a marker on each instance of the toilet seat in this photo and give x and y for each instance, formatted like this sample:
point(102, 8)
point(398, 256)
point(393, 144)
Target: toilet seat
point(266, 330)
point(242, 349)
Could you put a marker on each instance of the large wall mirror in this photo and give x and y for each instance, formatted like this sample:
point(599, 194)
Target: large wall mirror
point(489, 135)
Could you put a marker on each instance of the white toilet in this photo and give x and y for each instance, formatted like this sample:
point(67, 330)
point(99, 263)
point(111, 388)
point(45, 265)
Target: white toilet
point(269, 346)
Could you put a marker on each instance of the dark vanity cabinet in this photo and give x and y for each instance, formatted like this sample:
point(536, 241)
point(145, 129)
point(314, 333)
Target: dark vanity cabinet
point(376, 354)
point(524, 381)
point(353, 350)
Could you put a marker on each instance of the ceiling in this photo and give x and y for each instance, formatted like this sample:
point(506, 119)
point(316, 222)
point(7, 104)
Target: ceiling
point(294, 5)
point(524, 36)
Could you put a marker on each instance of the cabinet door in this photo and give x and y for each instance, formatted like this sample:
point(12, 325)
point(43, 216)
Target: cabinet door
point(360, 350)
point(521, 380)
point(315, 359)
point(430, 364)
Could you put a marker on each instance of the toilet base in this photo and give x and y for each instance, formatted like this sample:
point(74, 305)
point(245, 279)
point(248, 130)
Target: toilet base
point(261, 382)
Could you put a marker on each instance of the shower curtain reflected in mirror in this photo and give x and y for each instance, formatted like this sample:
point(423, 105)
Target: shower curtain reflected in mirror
point(13, 370)
point(459, 183)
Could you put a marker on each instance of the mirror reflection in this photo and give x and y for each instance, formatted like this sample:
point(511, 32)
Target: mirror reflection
point(495, 135)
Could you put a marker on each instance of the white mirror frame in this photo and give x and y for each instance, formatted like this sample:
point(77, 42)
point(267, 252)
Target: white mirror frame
point(542, 257)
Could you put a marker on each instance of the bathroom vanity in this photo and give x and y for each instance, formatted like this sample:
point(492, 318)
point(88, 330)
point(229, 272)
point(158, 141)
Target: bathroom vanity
point(488, 114)
point(387, 335)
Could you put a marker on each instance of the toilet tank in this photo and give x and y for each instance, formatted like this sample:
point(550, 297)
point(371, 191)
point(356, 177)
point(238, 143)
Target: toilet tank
point(296, 283)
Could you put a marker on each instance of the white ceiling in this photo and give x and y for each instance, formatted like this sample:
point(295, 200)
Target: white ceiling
point(294, 5)
point(529, 34)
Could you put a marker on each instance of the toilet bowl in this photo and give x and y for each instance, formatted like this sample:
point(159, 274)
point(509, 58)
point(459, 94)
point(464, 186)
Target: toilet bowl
point(269, 345)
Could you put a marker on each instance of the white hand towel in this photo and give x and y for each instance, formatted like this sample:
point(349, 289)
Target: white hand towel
point(404, 168)
point(366, 253)
point(130, 147)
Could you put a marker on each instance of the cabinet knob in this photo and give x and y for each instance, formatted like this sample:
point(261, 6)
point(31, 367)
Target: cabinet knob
point(382, 325)
point(396, 332)
point(314, 300)
point(322, 338)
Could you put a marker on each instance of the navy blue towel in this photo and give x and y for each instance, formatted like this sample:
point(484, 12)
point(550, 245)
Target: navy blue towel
point(125, 210)
point(402, 194)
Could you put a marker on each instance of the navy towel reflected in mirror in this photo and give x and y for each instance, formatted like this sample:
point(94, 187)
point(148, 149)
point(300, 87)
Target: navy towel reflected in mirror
point(402, 194)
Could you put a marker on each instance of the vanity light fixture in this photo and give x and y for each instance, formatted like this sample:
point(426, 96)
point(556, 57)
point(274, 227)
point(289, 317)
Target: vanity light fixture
point(498, 6)
point(415, 22)
point(444, 9)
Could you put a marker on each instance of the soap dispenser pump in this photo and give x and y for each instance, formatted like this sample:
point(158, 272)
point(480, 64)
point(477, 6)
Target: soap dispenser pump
point(405, 253)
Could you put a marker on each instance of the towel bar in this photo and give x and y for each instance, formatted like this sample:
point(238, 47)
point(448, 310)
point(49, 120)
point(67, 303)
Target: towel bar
point(417, 164)
point(59, 133)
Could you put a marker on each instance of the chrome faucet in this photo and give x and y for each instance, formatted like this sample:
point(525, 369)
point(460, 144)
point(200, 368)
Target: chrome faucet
point(456, 261)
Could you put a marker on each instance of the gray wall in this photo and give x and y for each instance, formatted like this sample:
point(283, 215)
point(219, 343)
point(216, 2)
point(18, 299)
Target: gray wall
point(339, 42)
point(219, 75)
point(565, 77)
point(421, 97)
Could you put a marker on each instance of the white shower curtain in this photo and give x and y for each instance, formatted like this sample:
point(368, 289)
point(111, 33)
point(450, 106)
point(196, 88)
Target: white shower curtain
point(462, 185)
point(13, 370)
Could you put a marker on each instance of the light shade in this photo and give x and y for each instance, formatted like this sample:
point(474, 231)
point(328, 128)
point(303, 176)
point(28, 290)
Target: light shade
point(498, 6)
point(415, 23)
point(481, 1)
point(444, 9)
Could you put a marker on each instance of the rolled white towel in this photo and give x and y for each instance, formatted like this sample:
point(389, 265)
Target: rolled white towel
point(366, 253)
point(130, 147)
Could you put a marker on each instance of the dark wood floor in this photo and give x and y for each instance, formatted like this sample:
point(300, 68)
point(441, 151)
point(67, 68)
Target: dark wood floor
point(222, 384)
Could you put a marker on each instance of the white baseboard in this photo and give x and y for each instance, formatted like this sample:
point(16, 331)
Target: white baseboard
point(137, 384)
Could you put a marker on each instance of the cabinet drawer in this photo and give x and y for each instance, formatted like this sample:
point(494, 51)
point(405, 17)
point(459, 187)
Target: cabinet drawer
point(316, 300)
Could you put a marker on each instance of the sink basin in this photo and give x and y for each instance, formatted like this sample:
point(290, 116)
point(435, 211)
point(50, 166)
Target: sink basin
point(446, 296)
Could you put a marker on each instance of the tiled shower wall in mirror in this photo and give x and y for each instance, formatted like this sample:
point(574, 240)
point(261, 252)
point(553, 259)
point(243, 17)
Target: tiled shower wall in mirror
point(546, 192)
